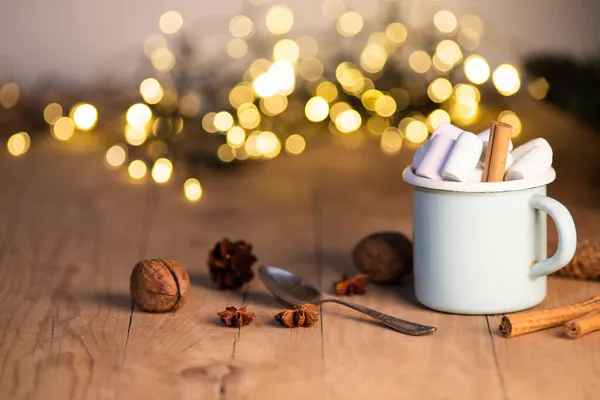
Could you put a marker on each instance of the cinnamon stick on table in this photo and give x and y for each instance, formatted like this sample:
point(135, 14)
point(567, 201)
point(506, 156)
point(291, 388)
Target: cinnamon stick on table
point(530, 321)
point(583, 325)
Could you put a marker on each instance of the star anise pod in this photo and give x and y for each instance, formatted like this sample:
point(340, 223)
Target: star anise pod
point(236, 318)
point(230, 264)
point(304, 316)
point(349, 286)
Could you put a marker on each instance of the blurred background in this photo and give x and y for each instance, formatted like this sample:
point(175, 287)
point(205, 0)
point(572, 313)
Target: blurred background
point(196, 84)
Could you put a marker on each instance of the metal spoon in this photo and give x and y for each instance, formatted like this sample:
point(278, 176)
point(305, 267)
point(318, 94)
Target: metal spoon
point(292, 289)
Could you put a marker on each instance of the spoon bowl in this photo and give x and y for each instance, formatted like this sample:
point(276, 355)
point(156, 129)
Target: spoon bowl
point(293, 290)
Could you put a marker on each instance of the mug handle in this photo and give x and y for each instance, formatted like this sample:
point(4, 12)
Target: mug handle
point(567, 236)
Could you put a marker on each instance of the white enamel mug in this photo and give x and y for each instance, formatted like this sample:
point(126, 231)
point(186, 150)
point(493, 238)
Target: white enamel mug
point(480, 248)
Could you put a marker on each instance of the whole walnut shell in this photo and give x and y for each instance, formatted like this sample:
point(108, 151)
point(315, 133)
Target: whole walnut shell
point(159, 285)
point(387, 257)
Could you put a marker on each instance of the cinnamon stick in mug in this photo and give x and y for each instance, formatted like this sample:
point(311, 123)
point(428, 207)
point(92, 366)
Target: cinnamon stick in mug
point(496, 152)
point(531, 321)
point(583, 325)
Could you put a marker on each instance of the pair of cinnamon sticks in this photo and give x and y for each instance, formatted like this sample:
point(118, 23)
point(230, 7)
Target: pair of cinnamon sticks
point(578, 319)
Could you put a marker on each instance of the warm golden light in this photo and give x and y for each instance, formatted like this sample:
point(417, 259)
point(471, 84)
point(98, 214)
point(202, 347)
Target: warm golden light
point(376, 124)
point(477, 69)
point(248, 116)
point(506, 79)
point(52, 113)
point(448, 52)
point(190, 104)
point(116, 156)
point(396, 32)
point(268, 144)
point(63, 128)
point(328, 91)
point(170, 22)
point(316, 109)
point(538, 89)
point(225, 153)
point(241, 26)
point(137, 169)
point(439, 90)
point(311, 69)
point(163, 59)
point(250, 145)
point(348, 75)
point(439, 65)
point(348, 121)
point(391, 141)
point(153, 43)
point(308, 47)
point(273, 105)
point(337, 109)
point(445, 21)
point(162, 170)
point(139, 115)
point(192, 189)
point(468, 39)
point(465, 93)
point(208, 122)
point(85, 116)
point(236, 137)
point(373, 58)
point(280, 20)
point(513, 120)
point(295, 144)
point(264, 86)
point(223, 121)
point(9, 95)
point(259, 67)
point(332, 9)
point(286, 50)
point(350, 23)
point(416, 131)
point(151, 90)
point(18, 143)
point(437, 117)
point(473, 22)
point(419, 61)
point(135, 135)
point(241, 94)
point(402, 98)
point(237, 48)
point(283, 76)
point(385, 106)
point(369, 97)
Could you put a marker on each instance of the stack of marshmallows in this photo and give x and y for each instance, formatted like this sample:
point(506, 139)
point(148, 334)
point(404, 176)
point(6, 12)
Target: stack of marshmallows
point(452, 154)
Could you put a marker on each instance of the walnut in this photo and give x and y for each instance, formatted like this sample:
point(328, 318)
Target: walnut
point(387, 257)
point(159, 285)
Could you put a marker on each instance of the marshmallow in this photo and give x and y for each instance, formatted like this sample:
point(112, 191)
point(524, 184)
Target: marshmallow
point(485, 137)
point(435, 158)
point(525, 147)
point(445, 129)
point(463, 158)
point(476, 175)
point(533, 163)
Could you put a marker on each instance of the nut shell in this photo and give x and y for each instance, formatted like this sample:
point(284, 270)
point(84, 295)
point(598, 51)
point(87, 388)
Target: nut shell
point(159, 285)
point(387, 257)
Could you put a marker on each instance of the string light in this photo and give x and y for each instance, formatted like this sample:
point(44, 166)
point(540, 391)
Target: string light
point(445, 21)
point(538, 89)
point(333, 9)
point(139, 115)
point(337, 109)
point(468, 38)
point(250, 146)
point(373, 58)
point(286, 50)
point(391, 141)
point(192, 189)
point(280, 20)
point(350, 23)
point(377, 125)
point(477, 69)
point(369, 97)
point(268, 144)
point(248, 116)
point(18, 143)
point(506, 79)
point(223, 121)
point(419, 61)
point(416, 131)
point(348, 121)
point(396, 32)
point(170, 22)
point(85, 116)
point(308, 47)
point(116, 155)
point(163, 59)
point(237, 48)
point(295, 144)
point(316, 109)
point(137, 169)
point(448, 52)
point(328, 91)
point(236, 137)
point(513, 120)
point(473, 22)
point(152, 43)
point(439, 90)
point(151, 90)
point(162, 170)
point(241, 94)
point(241, 27)
point(63, 128)
point(311, 69)
point(225, 153)
point(385, 106)
point(135, 135)
point(437, 117)
point(208, 123)
point(9, 95)
point(52, 113)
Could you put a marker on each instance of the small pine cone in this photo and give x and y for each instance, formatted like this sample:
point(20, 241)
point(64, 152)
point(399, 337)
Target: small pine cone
point(585, 264)
point(230, 264)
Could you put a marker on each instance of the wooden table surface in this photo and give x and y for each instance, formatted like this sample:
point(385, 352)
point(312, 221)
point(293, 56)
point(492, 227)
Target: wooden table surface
point(71, 232)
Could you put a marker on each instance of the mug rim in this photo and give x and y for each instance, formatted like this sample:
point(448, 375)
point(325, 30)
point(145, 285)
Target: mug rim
point(478, 187)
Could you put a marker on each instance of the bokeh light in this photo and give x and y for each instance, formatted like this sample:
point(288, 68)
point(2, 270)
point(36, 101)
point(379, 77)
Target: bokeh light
point(116, 155)
point(348, 121)
point(190, 104)
point(268, 144)
point(241, 94)
point(287, 50)
point(295, 144)
point(437, 117)
point(152, 43)
point(466, 93)
point(225, 153)
point(328, 91)
point(208, 123)
point(373, 58)
point(333, 9)
point(223, 121)
point(273, 105)
point(137, 169)
point(308, 47)
point(248, 116)
point(350, 23)
point(250, 145)
point(279, 20)
point(135, 135)
point(439, 65)
point(311, 69)
point(237, 48)
point(63, 128)
point(476, 69)
point(506, 79)
point(52, 113)
point(316, 109)
point(9, 95)
point(163, 59)
point(538, 88)
point(369, 97)
point(385, 106)
point(468, 38)
point(337, 109)
point(439, 90)
point(151, 90)
point(162, 170)
point(236, 137)
point(396, 32)
point(473, 22)
point(420, 61)
point(448, 52)
point(377, 125)
point(18, 143)
point(416, 131)
point(241, 26)
point(170, 22)
point(85, 116)
point(391, 141)
point(513, 120)
point(192, 189)
point(139, 115)
point(445, 21)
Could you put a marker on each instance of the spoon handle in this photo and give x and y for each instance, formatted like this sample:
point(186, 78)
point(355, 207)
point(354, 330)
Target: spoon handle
point(409, 328)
